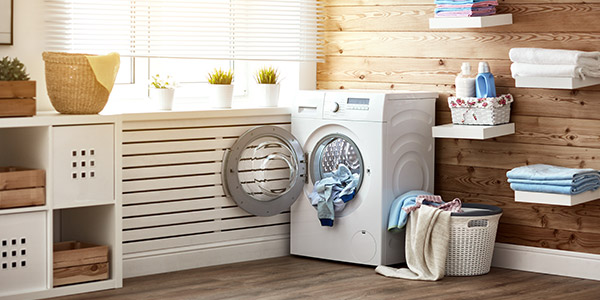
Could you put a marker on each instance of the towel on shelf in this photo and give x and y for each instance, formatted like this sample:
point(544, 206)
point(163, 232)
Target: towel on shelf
point(475, 12)
point(466, 4)
point(565, 182)
point(542, 56)
point(331, 193)
point(553, 179)
point(570, 71)
point(465, 8)
point(427, 239)
point(556, 189)
point(550, 172)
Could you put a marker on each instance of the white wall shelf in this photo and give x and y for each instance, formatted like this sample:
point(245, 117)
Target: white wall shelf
point(470, 22)
point(475, 132)
point(556, 199)
point(554, 82)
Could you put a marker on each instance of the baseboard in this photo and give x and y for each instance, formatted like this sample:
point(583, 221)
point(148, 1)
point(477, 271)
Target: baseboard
point(204, 256)
point(547, 261)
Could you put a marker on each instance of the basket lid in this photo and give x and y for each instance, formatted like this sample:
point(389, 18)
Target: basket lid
point(477, 210)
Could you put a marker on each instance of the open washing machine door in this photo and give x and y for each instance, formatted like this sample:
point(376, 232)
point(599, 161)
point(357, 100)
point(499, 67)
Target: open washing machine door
point(265, 170)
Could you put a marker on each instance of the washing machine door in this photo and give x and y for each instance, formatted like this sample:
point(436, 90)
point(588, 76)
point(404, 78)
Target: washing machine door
point(265, 170)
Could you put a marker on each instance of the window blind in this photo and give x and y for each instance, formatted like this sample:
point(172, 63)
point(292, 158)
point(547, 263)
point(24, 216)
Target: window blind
point(285, 30)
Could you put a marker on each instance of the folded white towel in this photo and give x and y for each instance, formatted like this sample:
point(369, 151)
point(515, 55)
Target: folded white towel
point(571, 71)
point(555, 57)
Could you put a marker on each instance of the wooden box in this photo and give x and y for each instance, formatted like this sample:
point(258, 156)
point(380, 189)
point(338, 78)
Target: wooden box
point(77, 262)
point(20, 187)
point(17, 98)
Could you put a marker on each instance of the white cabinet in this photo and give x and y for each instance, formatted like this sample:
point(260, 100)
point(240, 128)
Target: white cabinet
point(84, 160)
point(83, 201)
point(23, 257)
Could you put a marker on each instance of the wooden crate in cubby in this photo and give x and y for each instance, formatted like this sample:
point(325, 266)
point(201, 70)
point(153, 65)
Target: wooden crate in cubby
point(77, 262)
point(21, 187)
point(17, 98)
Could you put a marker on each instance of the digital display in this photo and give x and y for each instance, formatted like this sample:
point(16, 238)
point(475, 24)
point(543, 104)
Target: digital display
point(361, 101)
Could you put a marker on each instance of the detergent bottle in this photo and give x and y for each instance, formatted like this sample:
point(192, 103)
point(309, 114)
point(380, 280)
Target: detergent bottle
point(484, 82)
point(465, 82)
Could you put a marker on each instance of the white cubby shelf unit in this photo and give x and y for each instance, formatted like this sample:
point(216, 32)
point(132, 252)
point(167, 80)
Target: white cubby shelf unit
point(73, 209)
point(475, 132)
point(470, 22)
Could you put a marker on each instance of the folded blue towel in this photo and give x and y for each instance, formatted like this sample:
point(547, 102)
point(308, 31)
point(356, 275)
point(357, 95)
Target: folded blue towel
point(585, 179)
point(331, 193)
point(458, 2)
point(555, 189)
point(398, 217)
point(548, 172)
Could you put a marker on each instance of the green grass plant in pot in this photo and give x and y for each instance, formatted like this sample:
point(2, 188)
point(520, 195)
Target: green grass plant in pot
point(268, 86)
point(162, 91)
point(221, 89)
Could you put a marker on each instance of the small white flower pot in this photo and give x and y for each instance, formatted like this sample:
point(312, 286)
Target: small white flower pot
point(268, 95)
point(221, 95)
point(163, 98)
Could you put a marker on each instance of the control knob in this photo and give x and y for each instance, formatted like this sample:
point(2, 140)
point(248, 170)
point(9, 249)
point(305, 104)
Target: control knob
point(335, 107)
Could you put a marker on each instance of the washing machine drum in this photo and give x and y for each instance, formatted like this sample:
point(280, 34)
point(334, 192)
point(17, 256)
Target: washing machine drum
point(265, 170)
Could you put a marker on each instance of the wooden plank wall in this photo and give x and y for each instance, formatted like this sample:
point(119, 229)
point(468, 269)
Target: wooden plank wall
point(386, 44)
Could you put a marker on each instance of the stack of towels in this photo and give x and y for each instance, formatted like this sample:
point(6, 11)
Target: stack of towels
point(552, 179)
point(538, 62)
point(465, 8)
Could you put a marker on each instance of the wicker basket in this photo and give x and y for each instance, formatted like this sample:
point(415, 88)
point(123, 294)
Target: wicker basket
point(472, 236)
point(72, 85)
point(480, 111)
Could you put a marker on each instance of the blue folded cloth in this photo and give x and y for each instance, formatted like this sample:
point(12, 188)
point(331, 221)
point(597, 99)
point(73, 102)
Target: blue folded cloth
point(548, 172)
point(458, 2)
point(586, 179)
point(398, 217)
point(331, 193)
point(555, 189)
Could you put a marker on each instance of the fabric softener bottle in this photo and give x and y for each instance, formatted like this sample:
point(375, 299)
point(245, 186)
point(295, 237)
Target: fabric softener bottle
point(484, 82)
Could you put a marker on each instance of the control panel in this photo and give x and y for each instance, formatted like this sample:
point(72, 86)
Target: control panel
point(353, 106)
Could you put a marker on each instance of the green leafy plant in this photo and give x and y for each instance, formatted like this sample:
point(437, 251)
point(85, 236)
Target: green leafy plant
point(162, 83)
point(267, 75)
point(220, 77)
point(12, 70)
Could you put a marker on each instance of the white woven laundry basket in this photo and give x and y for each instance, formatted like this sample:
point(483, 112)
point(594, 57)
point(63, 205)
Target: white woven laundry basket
point(480, 111)
point(472, 237)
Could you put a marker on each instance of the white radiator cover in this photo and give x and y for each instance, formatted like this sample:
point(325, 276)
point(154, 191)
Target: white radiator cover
point(175, 213)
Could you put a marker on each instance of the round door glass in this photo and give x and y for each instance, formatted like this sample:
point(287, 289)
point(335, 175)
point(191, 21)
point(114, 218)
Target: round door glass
point(331, 152)
point(267, 168)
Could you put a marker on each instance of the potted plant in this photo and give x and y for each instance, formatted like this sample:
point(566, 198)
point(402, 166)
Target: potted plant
point(162, 91)
point(221, 89)
point(268, 86)
point(17, 92)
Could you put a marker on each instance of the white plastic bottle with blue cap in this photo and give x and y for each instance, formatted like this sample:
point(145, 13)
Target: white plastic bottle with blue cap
point(484, 82)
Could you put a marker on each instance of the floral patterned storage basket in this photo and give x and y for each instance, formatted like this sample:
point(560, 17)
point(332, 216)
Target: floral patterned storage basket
point(480, 111)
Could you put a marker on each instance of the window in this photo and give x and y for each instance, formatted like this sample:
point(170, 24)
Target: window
point(187, 38)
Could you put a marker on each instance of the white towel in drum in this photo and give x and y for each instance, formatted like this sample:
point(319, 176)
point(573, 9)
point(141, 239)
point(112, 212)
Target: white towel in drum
point(542, 56)
point(571, 71)
point(427, 238)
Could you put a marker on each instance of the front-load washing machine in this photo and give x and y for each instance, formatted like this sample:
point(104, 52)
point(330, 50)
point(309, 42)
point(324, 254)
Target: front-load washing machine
point(382, 136)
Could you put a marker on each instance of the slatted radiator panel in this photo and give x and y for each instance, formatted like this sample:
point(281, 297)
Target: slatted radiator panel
point(172, 190)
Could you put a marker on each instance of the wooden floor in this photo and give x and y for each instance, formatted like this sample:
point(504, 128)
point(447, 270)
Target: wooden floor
point(304, 278)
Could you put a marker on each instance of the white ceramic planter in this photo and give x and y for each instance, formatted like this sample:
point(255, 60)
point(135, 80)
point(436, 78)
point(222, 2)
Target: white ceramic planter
point(268, 95)
point(221, 95)
point(163, 98)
